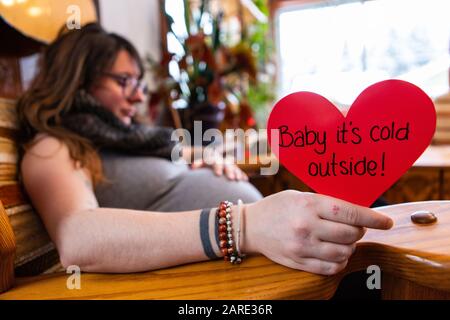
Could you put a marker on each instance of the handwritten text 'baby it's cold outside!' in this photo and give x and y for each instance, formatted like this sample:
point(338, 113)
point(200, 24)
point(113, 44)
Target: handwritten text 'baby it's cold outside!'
point(346, 133)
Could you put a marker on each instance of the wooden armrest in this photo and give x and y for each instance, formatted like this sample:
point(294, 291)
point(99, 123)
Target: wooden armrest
point(419, 254)
point(256, 278)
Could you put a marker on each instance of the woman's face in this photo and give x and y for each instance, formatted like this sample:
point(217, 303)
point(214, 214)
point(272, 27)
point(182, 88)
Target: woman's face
point(114, 89)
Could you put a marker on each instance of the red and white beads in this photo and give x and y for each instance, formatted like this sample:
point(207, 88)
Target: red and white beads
point(226, 241)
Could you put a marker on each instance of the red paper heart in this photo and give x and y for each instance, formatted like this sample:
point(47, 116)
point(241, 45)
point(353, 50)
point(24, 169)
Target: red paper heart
point(388, 104)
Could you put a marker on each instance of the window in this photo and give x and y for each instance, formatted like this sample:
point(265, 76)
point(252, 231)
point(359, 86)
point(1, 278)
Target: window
point(339, 49)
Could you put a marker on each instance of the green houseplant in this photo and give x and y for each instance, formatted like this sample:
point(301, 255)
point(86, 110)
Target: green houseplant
point(212, 79)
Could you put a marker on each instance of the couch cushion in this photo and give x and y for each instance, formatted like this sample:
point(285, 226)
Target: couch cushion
point(35, 252)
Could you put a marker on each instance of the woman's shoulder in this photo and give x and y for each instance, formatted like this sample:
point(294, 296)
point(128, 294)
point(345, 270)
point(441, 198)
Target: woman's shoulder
point(44, 143)
point(47, 155)
point(45, 146)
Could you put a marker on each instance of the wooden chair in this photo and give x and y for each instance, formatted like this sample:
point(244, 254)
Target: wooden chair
point(416, 259)
point(25, 247)
point(442, 135)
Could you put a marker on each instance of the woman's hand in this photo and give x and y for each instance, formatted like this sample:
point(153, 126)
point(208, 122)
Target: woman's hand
point(307, 231)
point(218, 164)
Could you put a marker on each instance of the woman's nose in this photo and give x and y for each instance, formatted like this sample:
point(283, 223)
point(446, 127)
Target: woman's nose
point(138, 95)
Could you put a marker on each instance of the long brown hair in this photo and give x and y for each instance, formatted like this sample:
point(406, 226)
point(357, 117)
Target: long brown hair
point(73, 62)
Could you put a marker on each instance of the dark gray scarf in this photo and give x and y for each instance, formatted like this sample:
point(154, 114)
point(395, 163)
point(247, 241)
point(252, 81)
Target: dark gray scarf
point(89, 119)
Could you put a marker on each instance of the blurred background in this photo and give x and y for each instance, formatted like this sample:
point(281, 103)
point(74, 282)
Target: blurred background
point(227, 62)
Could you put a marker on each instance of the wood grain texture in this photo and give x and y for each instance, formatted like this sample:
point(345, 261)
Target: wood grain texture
point(35, 253)
point(418, 254)
point(30, 232)
point(442, 134)
point(417, 184)
point(10, 85)
point(7, 252)
point(400, 289)
point(446, 184)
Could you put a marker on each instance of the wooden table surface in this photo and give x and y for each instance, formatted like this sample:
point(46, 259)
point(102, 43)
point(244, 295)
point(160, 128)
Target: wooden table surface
point(420, 254)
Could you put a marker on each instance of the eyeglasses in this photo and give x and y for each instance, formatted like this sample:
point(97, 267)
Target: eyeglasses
point(130, 85)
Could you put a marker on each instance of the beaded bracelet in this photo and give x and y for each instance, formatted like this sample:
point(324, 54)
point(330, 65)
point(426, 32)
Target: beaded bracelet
point(226, 241)
point(238, 229)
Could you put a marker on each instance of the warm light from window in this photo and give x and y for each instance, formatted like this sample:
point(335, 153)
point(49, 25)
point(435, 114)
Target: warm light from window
point(34, 11)
point(10, 3)
point(7, 3)
point(338, 50)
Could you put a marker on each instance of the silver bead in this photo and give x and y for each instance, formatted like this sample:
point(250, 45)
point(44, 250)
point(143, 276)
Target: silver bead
point(229, 235)
point(229, 223)
point(229, 229)
point(232, 258)
point(230, 242)
point(228, 216)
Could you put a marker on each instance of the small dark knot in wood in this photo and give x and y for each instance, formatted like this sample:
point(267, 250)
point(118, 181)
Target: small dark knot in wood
point(423, 217)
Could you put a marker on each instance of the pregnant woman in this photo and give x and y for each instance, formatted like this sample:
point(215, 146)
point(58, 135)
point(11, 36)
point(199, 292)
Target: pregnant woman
point(111, 199)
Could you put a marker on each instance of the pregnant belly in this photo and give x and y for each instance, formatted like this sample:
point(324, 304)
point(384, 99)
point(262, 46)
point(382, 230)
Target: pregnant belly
point(136, 182)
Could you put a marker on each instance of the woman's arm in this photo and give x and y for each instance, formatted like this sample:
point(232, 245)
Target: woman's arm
point(118, 240)
point(301, 230)
point(103, 239)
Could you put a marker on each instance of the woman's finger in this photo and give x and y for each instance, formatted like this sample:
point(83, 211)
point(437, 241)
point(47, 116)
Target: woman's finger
point(336, 232)
point(344, 212)
point(237, 173)
point(334, 252)
point(196, 164)
point(218, 169)
point(321, 266)
point(229, 172)
point(241, 174)
point(327, 251)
